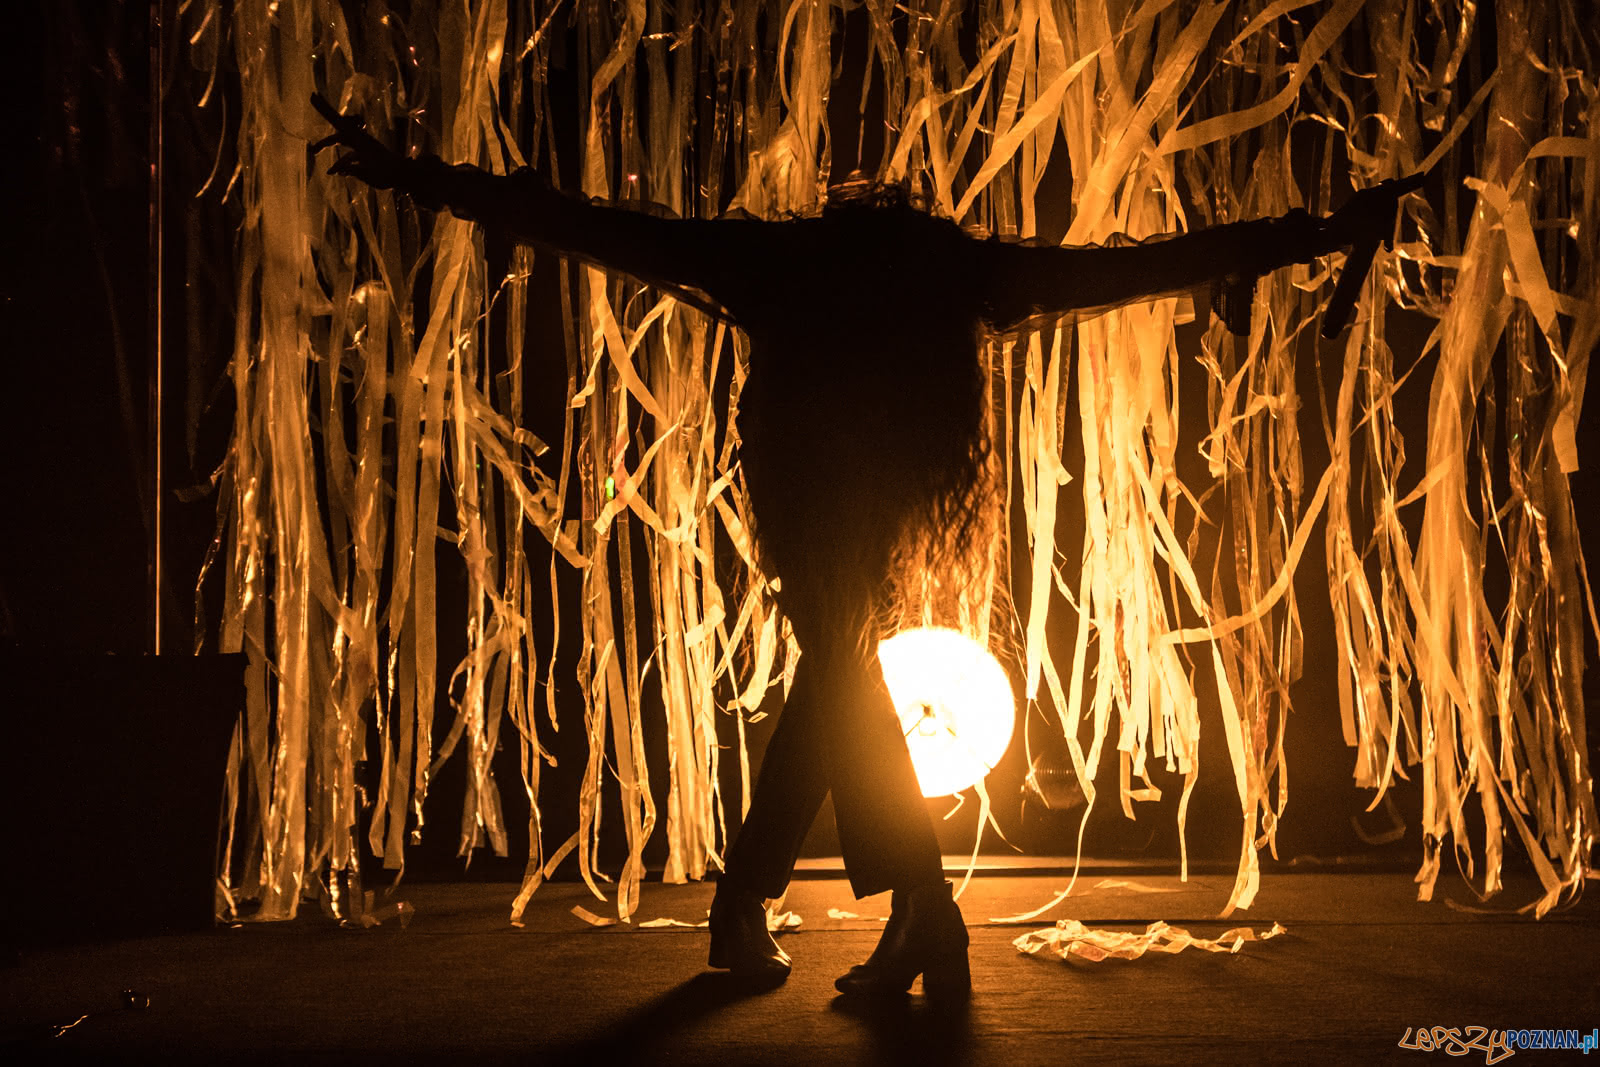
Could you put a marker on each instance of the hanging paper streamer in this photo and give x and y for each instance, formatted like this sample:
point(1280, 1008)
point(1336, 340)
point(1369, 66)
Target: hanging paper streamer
point(380, 409)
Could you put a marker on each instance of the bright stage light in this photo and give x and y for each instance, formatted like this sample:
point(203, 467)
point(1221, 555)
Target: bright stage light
point(955, 706)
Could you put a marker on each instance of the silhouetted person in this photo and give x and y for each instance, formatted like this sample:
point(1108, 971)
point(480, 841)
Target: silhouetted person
point(860, 430)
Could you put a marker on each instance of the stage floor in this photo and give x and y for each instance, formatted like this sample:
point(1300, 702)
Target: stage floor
point(1361, 963)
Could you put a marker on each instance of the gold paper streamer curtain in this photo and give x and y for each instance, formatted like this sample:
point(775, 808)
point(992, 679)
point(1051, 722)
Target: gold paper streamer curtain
point(376, 420)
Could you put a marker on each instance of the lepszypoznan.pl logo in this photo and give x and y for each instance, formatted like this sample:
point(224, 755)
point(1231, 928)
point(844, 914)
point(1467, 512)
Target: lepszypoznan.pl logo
point(1496, 1045)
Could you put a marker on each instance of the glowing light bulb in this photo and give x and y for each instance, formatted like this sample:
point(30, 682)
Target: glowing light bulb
point(955, 706)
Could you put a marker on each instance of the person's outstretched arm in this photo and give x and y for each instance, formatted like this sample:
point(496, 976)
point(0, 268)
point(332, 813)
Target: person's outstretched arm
point(1023, 282)
point(688, 257)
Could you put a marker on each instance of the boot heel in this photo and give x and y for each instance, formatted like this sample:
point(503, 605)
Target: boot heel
point(948, 978)
point(740, 941)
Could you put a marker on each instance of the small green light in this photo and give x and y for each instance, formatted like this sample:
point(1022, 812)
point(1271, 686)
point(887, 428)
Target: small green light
point(611, 488)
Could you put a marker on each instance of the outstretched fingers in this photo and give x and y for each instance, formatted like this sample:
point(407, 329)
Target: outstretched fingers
point(1369, 215)
point(326, 109)
point(346, 128)
point(1409, 184)
point(366, 158)
point(1392, 190)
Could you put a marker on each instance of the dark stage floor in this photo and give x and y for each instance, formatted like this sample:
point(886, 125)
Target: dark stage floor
point(1360, 964)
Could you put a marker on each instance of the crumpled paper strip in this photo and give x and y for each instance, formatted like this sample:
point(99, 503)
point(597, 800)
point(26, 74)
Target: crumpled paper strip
point(1070, 939)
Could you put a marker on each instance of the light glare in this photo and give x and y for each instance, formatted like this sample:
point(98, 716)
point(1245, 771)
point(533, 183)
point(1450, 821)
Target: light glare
point(955, 706)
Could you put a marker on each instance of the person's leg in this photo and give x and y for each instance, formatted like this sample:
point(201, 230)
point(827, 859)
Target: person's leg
point(885, 832)
point(839, 729)
point(888, 842)
point(789, 790)
point(759, 864)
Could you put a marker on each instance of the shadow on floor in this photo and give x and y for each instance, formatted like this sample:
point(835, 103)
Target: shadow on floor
point(907, 1029)
point(892, 1029)
point(688, 1007)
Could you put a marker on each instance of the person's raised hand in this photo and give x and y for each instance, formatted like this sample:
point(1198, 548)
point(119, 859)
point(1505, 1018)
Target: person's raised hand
point(1366, 220)
point(365, 157)
point(1369, 216)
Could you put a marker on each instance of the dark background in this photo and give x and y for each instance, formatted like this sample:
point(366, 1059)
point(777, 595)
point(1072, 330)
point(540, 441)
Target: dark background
point(76, 295)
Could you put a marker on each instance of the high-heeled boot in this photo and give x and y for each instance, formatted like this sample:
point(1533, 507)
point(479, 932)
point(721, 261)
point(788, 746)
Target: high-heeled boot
point(740, 940)
point(925, 935)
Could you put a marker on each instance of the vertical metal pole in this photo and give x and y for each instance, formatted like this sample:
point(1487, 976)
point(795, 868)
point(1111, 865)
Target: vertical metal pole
point(156, 289)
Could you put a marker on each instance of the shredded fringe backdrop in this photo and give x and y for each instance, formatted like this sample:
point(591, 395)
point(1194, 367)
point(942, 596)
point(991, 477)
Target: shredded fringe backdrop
point(380, 421)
